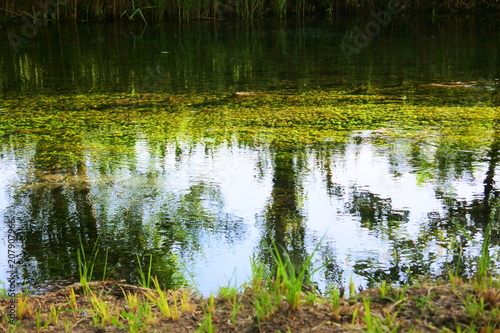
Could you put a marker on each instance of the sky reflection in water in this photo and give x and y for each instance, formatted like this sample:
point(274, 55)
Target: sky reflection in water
point(384, 202)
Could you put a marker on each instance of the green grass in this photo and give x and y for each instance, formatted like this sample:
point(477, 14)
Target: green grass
point(485, 259)
point(103, 312)
point(207, 324)
point(265, 300)
point(159, 298)
point(86, 266)
point(291, 279)
point(133, 11)
point(145, 278)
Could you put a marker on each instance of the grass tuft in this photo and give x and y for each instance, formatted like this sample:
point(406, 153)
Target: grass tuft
point(24, 309)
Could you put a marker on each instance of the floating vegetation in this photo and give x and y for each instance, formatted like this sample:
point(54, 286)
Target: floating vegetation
point(279, 116)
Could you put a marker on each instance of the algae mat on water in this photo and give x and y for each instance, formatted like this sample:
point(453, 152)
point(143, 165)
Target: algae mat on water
point(278, 117)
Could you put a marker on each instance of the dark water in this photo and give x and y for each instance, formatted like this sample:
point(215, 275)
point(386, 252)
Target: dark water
point(227, 57)
point(384, 207)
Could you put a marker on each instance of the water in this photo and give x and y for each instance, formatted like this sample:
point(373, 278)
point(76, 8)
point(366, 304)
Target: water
point(239, 57)
point(85, 161)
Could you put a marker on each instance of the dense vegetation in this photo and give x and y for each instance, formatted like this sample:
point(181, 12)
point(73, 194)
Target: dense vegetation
point(227, 9)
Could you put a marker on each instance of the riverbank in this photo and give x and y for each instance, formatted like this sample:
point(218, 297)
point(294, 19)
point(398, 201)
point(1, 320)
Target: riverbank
point(280, 298)
point(109, 306)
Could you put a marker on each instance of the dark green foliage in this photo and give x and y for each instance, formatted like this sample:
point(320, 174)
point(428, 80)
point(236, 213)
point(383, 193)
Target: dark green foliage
point(148, 10)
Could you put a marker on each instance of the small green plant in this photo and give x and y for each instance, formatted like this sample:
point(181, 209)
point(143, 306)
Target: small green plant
point(334, 296)
point(475, 308)
point(159, 298)
point(312, 298)
point(455, 280)
point(3, 290)
point(103, 311)
point(227, 293)
point(265, 301)
point(207, 325)
point(368, 319)
point(145, 279)
point(484, 259)
point(86, 267)
point(281, 7)
point(139, 319)
point(132, 300)
point(12, 328)
point(133, 11)
point(72, 302)
point(46, 322)
point(264, 304)
point(234, 311)
point(38, 320)
point(24, 309)
point(289, 278)
point(67, 325)
point(389, 322)
point(105, 270)
point(383, 288)
point(54, 315)
point(211, 304)
point(354, 316)
point(186, 304)
point(352, 288)
point(116, 321)
point(176, 314)
point(423, 302)
point(401, 293)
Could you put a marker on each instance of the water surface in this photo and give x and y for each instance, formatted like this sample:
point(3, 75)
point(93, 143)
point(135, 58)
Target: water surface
point(99, 146)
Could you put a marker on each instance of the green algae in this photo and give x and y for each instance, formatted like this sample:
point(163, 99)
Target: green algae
point(282, 117)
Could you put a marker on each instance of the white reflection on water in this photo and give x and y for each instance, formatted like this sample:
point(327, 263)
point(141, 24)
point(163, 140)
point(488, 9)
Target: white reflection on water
point(233, 170)
point(362, 167)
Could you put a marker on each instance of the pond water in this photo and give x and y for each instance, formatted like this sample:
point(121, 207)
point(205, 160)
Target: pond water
point(121, 140)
